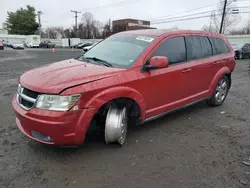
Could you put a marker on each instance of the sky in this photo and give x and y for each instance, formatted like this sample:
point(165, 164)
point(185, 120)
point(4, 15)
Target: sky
point(58, 12)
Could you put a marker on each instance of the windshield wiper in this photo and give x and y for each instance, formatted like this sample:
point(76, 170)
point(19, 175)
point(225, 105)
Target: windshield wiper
point(107, 64)
point(81, 58)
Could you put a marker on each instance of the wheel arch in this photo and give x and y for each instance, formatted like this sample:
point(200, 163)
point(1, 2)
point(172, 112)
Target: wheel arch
point(115, 95)
point(225, 71)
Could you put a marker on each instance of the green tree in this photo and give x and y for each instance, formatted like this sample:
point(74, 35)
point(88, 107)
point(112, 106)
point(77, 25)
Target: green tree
point(22, 22)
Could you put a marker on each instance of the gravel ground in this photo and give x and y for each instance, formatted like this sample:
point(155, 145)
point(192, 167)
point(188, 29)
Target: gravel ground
point(198, 146)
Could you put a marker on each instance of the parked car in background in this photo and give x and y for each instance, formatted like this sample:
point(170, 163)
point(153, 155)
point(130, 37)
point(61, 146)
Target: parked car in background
point(1, 46)
point(241, 50)
point(17, 45)
point(75, 46)
point(130, 77)
point(73, 42)
point(86, 48)
point(9, 44)
point(82, 45)
point(47, 44)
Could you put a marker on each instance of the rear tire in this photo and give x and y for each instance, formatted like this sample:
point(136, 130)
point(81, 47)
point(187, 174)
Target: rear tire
point(240, 56)
point(220, 92)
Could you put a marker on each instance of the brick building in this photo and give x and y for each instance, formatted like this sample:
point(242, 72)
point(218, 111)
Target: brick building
point(130, 24)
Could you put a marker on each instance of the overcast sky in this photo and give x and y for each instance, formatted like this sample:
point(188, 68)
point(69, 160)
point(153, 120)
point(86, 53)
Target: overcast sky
point(58, 12)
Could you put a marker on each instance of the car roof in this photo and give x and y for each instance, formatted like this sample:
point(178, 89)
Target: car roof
point(165, 32)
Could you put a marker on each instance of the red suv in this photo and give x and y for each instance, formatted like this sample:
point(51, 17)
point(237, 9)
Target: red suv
point(129, 78)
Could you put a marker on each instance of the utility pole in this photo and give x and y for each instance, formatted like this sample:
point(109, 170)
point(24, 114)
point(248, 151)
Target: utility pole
point(39, 22)
point(223, 16)
point(74, 11)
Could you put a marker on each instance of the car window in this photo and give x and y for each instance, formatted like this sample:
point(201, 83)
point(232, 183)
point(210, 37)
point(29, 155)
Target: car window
point(198, 47)
point(174, 49)
point(219, 46)
point(247, 46)
point(244, 47)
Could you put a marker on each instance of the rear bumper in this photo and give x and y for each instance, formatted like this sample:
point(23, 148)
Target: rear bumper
point(64, 128)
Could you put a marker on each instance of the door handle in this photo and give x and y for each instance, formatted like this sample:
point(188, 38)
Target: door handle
point(217, 62)
point(186, 70)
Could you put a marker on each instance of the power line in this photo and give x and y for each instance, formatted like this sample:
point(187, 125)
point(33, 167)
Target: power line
point(191, 10)
point(193, 18)
point(112, 4)
point(184, 16)
point(188, 15)
point(107, 5)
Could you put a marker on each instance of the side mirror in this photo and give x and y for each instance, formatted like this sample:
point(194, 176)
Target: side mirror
point(156, 62)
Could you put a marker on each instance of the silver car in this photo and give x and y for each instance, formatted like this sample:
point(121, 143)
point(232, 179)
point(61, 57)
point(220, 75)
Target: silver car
point(17, 45)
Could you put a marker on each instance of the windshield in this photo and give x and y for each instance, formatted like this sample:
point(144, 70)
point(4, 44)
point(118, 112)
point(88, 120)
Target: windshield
point(120, 51)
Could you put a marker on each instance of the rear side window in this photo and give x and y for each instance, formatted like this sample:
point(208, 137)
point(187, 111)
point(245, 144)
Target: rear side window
point(198, 47)
point(219, 45)
point(174, 49)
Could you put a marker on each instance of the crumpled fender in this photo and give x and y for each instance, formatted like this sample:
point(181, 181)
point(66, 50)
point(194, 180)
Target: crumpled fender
point(107, 95)
point(220, 73)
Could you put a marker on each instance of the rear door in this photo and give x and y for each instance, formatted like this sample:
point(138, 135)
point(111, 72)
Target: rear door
point(199, 68)
point(220, 49)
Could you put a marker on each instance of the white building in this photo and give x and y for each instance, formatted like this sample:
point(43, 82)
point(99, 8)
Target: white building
point(3, 31)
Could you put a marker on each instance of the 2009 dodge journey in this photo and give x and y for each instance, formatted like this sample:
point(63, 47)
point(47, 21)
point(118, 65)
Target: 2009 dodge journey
point(129, 78)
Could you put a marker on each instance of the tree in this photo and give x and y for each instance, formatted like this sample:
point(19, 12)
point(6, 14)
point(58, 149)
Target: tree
point(69, 33)
point(22, 22)
point(53, 33)
point(229, 19)
point(89, 27)
point(243, 30)
point(106, 30)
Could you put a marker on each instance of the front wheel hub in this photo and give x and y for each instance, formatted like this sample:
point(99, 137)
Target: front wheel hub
point(116, 126)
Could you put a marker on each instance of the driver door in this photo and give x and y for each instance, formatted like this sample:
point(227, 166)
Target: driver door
point(162, 88)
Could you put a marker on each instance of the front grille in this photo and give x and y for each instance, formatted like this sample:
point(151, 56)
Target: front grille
point(26, 98)
point(30, 93)
point(26, 103)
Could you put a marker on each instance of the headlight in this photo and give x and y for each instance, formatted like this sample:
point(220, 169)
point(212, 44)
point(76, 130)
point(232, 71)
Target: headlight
point(56, 102)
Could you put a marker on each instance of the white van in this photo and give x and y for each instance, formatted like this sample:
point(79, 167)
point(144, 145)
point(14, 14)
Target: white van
point(32, 41)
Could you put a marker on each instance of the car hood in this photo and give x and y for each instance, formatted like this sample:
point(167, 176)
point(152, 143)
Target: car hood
point(54, 78)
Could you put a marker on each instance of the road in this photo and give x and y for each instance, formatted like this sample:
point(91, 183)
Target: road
point(199, 146)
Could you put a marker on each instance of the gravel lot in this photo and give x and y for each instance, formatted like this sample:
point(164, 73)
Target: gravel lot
point(198, 146)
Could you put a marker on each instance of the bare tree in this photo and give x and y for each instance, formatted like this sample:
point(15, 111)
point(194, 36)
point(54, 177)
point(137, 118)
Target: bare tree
point(229, 19)
point(243, 30)
point(69, 33)
point(106, 30)
point(89, 27)
point(53, 33)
